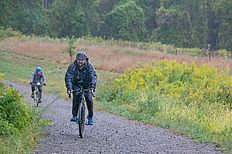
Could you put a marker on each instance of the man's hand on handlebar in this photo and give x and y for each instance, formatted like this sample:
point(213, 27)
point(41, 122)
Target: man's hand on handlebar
point(69, 92)
point(92, 90)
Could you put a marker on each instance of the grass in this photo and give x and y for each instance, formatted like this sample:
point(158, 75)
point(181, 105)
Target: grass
point(19, 57)
point(27, 140)
point(159, 96)
point(114, 58)
point(19, 68)
point(207, 125)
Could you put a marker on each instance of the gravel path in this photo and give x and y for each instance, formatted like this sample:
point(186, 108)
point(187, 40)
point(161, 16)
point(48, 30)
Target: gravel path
point(109, 134)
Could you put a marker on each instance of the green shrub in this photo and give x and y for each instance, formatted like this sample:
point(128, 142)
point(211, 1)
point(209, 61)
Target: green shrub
point(186, 97)
point(8, 32)
point(7, 129)
point(14, 114)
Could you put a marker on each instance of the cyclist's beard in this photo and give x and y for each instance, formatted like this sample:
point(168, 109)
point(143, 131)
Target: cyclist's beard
point(80, 64)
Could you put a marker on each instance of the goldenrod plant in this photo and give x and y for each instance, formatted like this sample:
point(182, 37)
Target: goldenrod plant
point(181, 96)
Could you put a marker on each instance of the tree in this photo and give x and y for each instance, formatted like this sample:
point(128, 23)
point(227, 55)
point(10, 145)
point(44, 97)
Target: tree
point(149, 7)
point(6, 13)
point(224, 15)
point(126, 21)
point(174, 26)
point(73, 18)
point(47, 3)
point(23, 15)
point(71, 47)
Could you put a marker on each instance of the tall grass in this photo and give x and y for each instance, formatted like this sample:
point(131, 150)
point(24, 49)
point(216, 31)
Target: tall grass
point(116, 58)
point(154, 46)
point(179, 96)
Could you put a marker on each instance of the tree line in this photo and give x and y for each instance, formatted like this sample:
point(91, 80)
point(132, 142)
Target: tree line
point(183, 23)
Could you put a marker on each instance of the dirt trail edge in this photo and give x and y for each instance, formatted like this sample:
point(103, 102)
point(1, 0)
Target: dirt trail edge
point(109, 134)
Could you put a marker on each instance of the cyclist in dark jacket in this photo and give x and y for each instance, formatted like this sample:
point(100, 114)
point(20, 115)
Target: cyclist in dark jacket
point(81, 73)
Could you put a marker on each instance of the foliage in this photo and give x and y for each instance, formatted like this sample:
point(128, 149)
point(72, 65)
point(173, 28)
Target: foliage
point(19, 124)
point(185, 23)
point(224, 13)
point(25, 16)
point(188, 82)
point(14, 114)
point(73, 18)
point(183, 96)
point(4, 33)
point(71, 46)
point(126, 21)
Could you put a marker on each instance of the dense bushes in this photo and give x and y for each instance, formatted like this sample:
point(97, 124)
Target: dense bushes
point(20, 123)
point(14, 114)
point(190, 98)
point(179, 80)
point(4, 33)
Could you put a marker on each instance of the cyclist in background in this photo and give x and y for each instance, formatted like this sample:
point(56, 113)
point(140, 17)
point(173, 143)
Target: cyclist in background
point(37, 76)
point(81, 73)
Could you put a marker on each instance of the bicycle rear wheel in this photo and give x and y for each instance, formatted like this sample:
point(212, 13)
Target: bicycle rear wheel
point(81, 117)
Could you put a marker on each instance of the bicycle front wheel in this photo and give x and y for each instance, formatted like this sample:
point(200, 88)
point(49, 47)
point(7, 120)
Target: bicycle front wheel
point(37, 98)
point(81, 122)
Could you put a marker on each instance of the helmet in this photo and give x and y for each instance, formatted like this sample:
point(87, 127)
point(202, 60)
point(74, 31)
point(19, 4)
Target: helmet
point(81, 56)
point(38, 70)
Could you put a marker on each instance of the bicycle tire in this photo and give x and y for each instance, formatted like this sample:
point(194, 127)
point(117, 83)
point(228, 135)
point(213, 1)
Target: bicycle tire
point(81, 122)
point(37, 98)
point(36, 101)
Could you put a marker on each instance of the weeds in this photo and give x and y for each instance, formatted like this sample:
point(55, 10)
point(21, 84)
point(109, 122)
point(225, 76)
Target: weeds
point(180, 96)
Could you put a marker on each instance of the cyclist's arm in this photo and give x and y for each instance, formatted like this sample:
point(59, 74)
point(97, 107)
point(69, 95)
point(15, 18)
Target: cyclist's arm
point(69, 76)
point(32, 77)
point(93, 76)
point(44, 79)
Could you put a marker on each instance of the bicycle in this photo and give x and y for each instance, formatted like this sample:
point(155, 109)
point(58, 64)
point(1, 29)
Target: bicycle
point(81, 110)
point(37, 94)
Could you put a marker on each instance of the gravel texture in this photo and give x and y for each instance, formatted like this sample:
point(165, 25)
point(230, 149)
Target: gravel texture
point(109, 134)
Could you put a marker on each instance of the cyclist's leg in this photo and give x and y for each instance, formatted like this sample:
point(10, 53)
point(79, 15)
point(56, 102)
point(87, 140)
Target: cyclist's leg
point(40, 93)
point(89, 102)
point(32, 91)
point(75, 106)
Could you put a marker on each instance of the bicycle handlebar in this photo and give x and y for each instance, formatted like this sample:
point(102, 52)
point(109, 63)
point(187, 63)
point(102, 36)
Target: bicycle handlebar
point(86, 90)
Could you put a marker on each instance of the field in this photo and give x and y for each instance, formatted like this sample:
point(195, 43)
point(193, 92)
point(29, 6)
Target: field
point(132, 88)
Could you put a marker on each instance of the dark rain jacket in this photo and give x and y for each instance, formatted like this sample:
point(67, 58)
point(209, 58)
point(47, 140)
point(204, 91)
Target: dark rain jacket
point(85, 77)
